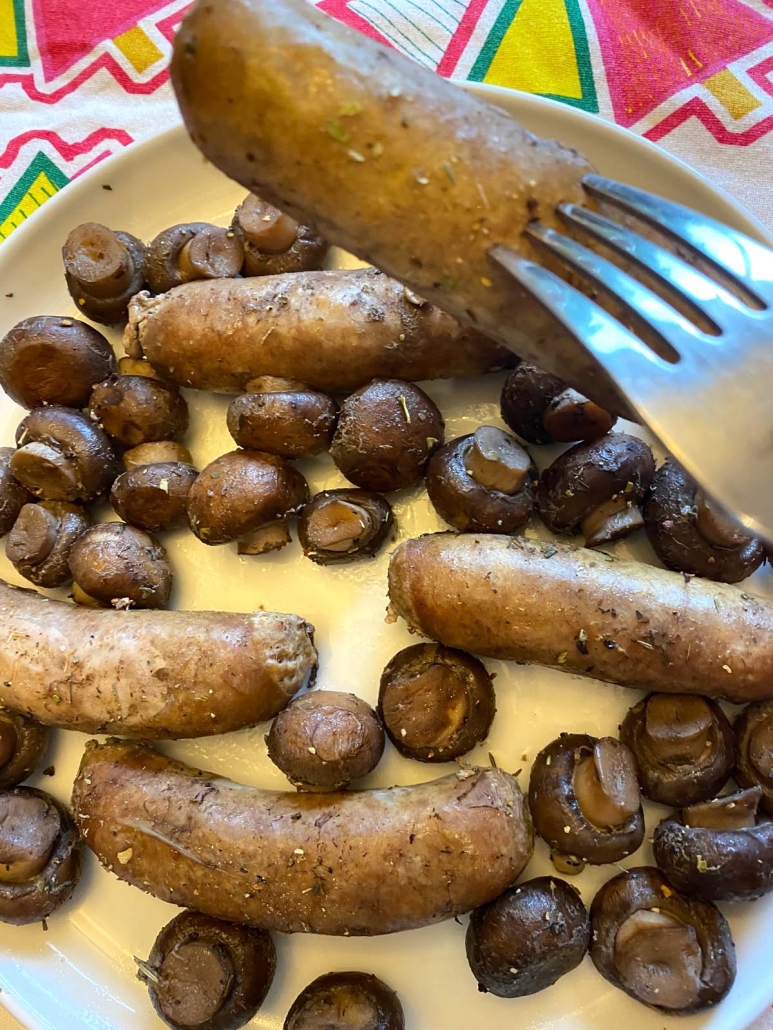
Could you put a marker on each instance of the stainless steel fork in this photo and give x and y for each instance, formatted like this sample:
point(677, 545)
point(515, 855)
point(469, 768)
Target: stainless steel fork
point(711, 406)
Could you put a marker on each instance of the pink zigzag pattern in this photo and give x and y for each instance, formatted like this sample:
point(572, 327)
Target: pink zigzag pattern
point(68, 151)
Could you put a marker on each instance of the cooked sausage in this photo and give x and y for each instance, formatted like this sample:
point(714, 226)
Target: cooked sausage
point(154, 674)
point(620, 621)
point(357, 862)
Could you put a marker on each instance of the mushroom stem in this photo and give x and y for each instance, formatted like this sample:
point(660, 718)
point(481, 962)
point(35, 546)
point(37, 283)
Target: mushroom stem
point(44, 470)
point(100, 262)
point(9, 740)
point(659, 959)
point(271, 537)
point(337, 525)
point(761, 748)
point(570, 416)
point(605, 784)
point(265, 227)
point(715, 525)
point(212, 253)
point(732, 812)
point(611, 521)
point(677, 729)
point(496, 461)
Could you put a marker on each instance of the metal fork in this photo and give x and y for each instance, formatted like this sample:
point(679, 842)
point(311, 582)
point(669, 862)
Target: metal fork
point(712, 406)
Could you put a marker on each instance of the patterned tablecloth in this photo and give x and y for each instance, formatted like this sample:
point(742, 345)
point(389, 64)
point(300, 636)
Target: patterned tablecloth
point(80, 79)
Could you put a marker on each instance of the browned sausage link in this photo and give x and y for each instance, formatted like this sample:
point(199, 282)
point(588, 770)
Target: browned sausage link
point(154, 674)
point(357, 862)
point(582, 612)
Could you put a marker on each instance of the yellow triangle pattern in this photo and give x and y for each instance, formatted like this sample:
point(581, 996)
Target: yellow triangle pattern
point(39, 191)
point(9, 44)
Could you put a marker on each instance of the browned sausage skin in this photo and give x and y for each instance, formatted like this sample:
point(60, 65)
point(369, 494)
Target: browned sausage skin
point(302, 862)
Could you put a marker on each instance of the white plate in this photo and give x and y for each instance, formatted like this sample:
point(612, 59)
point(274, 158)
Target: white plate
point(81, 972)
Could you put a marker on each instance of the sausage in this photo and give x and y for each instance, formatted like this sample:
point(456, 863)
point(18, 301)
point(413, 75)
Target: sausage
point(351, 863)
point(154, 674)
point(620, 621)
point(333, 330)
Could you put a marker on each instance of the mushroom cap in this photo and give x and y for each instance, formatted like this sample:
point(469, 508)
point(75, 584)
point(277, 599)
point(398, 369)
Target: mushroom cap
point(753, 731)
point(370, 1000)
point(107, 307)
point(300, 249)
point(340, 526)
point(41, 539)
point(292, 422)
point(138, 409)
point(22, 743)
point(527, 396)
point(13, 496)
point(153, 497)
point(113, 563)
point(218, 255)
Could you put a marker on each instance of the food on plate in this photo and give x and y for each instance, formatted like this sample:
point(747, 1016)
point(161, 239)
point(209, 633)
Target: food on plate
point(295, 862)
point(22, 743)
point(596, 488)
point(49, 359)
point(584, 798)
point(138, 409)
point(246, 496)
point(349, 1001)
point(337, 527)
point(334, 331)
point(122, 566)
point(103, 269)
point(483, 482)
point(692, 534)
point(666, 950)
point(683, 746)
point(136, 367)
point(40, 855)
point(153, 674)
point(542, 408)
point(13, 496)
point(41, 540)
point(283, 417)
point(754, 750)
point(326, 739)
point(195, 250)
point(436, 703)
point(528, 937)
point(153, 497)
point(621, 621)
point(155, 453)
point(273, 242)
point(204, 974)
point(385, 435)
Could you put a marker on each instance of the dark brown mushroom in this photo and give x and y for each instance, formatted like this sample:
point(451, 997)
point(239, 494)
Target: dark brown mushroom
point(193, 250)
point(667, 951)
point(274, 243)
point(691, 534)
point(437, 703)
point(683, 746)
point(153, 497)
point(53, 360)
point(341, 526)
point(386, 433)
point(42, 537)
point(596, 488)
point(63, 456)
point(13, 496)
point(138, 409)
point(119, 565)
point(22, 743)
point(40, 855)
point(346, 1001)
point(527, 938)
point(103, 269)
point(543, 409)
point(282, 417)
point(754, 750)
point(156, 453)
point(206, 974)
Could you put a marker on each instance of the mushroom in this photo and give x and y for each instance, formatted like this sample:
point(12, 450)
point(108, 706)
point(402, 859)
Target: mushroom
point(103, 269)
point(40, 855)
point(63, 456)
point(246, 496)
point(193, 250)
point(527, 938)
point(138, 409)
point(754, 750)
point(683, 746)
point(596, 487)
point(274, 243)
point(206, 974)
point(584, 798)
point(283, 417)
point(22, 743)
point(341, 526)
point(346, 1001)
point(153, 497)
point(543, 409)
point(668, 951)
point(137, 367)
point(437, 703)
point(51, 360)
point(325, 739)
point(386, 433)
point(42, 537)
point(13, 496)
point(118, 565)
point(691, 533)
point(157, 453)
point(482, 483)
point(718, 850)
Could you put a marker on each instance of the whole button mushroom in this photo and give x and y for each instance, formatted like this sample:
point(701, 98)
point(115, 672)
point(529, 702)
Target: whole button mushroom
point(138, 409)
point(22, 743)
point(103, 269)
point(361, 999)
point(341, 526)
point(274, 243)
point(596, 488)
point(153, 497)
point(194, 250)
point(156, 453)
point(754, 750)
point(13, 496)
point(283, 417)
point(118, 565)
point(542, 408)
point(42, 537)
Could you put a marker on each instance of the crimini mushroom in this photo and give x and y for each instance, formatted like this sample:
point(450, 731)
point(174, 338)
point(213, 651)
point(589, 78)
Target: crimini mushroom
point(666, 950)
point(118, 565)
point(386, 433)
point(341, 526)
point(528, 937)
point(103, 269)
point(596, 488)
point(156, 453)
point(683, 746)
point(40, 855)
point(437, 703)
point(206, 974)
point(754, 750)
point(246, 496)
point(63, 456)
point(482, 483)
point(346, 1001)
point(51, 360)
point(137, 367)
point(42, 537)
point(13, 496)
point(584, 798)
point(153, 497)
point(543, 409)
point(274, 243)
point(22, 743)
point(325, 739)
point(691, 533)
point(193, 250)
point(138, 409)
point(283, 417)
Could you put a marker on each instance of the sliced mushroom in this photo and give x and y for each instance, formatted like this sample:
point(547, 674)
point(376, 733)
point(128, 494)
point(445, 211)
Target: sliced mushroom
point(754, 750)
point(22, 743)
point(542, 409)
point(282, 417)
point(156, 453)
point(138, 409)
point(119, 565)
point(194, 250)
point(274, 243)
point(346, 1001)
point(341, 526)
point(103, 269)
point(153, 497)
point(42, 537)
point(13, 496)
